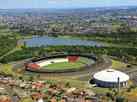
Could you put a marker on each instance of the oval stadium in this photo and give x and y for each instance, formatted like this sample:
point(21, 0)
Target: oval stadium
point(60, 63)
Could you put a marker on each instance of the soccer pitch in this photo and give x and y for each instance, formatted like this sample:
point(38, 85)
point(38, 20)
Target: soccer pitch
point(68, 65)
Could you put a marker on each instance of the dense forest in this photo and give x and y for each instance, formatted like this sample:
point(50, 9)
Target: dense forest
point(7, 43)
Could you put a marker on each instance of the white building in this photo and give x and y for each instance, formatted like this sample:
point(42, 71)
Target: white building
point(110, 78)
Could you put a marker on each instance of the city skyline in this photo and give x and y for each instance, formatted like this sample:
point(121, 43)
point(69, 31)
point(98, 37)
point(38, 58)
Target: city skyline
point(58, 4)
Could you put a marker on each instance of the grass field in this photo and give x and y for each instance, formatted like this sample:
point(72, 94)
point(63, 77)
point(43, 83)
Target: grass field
point(67, 65)
point(117, 64)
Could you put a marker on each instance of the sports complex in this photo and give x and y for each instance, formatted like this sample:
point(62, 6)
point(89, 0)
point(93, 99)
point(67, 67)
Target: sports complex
point(61, 63)
point(67, 64)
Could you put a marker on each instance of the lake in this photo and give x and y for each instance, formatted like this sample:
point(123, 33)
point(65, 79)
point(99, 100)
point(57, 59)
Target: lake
point(37, 41)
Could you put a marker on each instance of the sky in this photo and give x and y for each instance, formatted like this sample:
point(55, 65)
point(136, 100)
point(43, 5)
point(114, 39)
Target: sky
point(7, 4)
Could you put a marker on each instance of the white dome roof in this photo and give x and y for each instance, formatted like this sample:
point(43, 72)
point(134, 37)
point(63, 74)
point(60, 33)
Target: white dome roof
point(111, 75)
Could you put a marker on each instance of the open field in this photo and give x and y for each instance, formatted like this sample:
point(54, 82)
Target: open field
point(118, 65)
point(48, 62)
point(64, 65)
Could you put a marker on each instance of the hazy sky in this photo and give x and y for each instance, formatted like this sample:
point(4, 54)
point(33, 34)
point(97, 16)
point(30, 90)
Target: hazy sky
point(63, 3)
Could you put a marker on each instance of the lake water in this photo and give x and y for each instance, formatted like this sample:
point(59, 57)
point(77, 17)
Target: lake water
point(45, 41)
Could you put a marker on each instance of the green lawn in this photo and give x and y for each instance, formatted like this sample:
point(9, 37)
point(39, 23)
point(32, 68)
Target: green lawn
point(67, 65)
point(117, 64)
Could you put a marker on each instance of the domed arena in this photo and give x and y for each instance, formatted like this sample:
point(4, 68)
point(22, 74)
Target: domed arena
point(110, 78)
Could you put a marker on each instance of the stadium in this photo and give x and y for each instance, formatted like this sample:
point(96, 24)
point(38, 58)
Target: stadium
point(60, 63)
point(110, 78)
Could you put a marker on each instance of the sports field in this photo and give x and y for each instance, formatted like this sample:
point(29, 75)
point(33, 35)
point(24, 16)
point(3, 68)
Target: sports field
point(69, 65)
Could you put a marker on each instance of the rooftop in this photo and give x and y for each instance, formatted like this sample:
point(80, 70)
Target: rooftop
point(111, 75)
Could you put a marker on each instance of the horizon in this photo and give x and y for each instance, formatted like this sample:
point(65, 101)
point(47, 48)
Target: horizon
point(98, 7)
point(64, 4)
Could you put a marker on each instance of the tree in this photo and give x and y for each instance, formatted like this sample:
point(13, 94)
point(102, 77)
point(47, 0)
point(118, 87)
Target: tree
point(7, 70)
point(120, 99)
